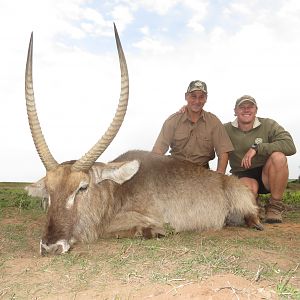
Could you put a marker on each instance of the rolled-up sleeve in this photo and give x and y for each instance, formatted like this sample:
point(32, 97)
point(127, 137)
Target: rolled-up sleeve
point(222, 142)
point(164, 138)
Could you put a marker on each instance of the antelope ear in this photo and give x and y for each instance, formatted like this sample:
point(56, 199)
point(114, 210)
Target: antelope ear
point(118, 172)
point(37, 189)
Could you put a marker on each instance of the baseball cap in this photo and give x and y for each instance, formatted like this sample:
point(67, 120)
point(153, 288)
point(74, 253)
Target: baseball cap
point(245, 98)
point(197, 85)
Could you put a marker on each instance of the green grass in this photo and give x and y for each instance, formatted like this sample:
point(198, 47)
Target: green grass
point(20, 210)
point(16, 234)
point(293, 215)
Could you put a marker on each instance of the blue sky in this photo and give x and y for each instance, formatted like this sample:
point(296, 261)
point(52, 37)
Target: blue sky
point(236, 47)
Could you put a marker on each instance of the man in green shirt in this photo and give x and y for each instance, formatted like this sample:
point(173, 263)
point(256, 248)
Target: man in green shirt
point(259, 157)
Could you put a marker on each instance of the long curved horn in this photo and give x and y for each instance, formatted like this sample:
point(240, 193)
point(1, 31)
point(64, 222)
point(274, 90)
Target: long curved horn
point(86, 161)
point(35, 128)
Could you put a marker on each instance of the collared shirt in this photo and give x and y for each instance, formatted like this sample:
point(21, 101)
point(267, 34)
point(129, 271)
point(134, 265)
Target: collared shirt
point(196, 142)
point(256, 123)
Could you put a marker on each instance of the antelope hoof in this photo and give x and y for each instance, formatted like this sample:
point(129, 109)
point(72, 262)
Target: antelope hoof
point(258, 226)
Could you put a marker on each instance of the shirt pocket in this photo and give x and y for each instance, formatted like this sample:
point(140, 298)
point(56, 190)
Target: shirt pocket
point(180, 140)
point(205, 144)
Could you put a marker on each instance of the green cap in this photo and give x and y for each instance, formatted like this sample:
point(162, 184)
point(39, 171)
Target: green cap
point(197, 85)
point(244, 99)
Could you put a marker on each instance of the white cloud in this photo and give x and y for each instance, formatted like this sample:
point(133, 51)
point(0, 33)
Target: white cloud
point(93, 23)
point(153, 45)
point(145, 30)
point(195, 24)
point(238, 7)
point(160, 6)
point(122, 16)
point(287, 21)
point(199, 12)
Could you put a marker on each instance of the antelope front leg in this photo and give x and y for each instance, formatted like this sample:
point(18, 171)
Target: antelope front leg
point(132, 224)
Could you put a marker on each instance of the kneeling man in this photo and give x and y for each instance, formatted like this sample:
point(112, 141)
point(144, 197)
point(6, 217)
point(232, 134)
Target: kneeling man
point(259, 157)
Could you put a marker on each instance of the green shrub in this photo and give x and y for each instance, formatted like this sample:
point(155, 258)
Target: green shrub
point(17, 198)
point(289, 197)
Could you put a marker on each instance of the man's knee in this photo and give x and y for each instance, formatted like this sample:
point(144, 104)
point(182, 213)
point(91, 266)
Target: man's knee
point(251, 183)
point(275, 172)
point(277, 159)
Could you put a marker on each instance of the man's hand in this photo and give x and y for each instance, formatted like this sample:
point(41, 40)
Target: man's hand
point(246, 161)
point(182, 109)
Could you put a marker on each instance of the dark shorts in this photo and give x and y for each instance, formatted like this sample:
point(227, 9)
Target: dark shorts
point(255, 173)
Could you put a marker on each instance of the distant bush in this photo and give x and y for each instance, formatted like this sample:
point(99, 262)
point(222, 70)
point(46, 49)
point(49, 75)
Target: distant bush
point(17, 198)
point(289, 197)
point(294, 180)
point(292, 197)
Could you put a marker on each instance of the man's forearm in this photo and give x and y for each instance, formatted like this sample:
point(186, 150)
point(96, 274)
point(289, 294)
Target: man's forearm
point(222, 163)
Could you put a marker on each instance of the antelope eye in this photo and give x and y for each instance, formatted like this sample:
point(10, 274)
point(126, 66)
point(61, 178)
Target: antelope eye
point(83, 186)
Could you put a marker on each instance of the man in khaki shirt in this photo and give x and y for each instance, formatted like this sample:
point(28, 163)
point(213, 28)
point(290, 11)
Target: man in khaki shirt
point(195, 135)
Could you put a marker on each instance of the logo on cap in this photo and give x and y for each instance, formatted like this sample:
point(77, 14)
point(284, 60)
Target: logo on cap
point(197, 85)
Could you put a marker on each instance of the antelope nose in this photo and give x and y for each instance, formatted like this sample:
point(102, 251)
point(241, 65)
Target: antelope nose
point(54, 249)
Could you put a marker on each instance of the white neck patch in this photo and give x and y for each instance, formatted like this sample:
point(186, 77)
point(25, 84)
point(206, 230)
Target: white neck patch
point(255, 124)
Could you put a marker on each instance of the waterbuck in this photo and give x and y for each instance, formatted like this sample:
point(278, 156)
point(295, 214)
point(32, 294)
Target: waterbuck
point(138, 194)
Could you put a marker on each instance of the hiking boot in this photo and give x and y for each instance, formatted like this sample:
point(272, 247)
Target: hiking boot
point(273, 211)
point(262, 213)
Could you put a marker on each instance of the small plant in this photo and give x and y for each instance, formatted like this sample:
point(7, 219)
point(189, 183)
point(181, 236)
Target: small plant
point(17, 198)
point(169, 229)
point(286, 290)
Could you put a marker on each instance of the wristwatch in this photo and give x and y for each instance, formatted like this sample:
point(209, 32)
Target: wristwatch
point(254, 146)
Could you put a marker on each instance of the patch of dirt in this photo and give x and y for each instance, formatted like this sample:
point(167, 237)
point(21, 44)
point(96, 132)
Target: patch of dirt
point(112, 269)
point(218, 287)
